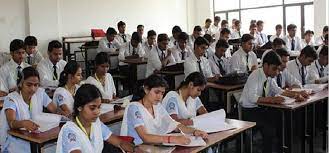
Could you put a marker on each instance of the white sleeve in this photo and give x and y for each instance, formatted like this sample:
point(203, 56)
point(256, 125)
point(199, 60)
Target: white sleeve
point(291, 80)
point(122, 52)
point(234, 63)
point(189, 68)
point(45, 80)
point(254, 59)
point(208, 69)
point(252, 88)
point(154, 60)
point(213, 66)
point(141, 51)
point(104, 46)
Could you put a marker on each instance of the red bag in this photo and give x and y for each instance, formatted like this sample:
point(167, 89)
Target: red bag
point(97, 33)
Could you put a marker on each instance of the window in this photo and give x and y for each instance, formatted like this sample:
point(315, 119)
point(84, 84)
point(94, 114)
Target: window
point(258, 3)
point(222, 16)
point(226, 5)
point(231, 16)
point(293, 17)
point(296, 1)
point(309, 17)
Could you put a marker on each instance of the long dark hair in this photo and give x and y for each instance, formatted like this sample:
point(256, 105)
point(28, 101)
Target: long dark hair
point(84, 95)
point(196, 78)
point(153, 81)
point(70, 68)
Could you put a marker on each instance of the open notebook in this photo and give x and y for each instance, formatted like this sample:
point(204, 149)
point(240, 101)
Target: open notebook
point(106, 108)
point(47, 121)
point(217, 120)
point(195, 141)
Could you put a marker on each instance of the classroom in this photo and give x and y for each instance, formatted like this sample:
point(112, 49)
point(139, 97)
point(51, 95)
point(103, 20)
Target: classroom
point(164, 76)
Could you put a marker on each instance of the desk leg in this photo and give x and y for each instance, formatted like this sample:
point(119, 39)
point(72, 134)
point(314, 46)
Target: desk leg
point(35, 148)
point(305, 129)
point(248, 141)
point(291, 132)
point(312, 131)
point(284, 147)
point(325, 125)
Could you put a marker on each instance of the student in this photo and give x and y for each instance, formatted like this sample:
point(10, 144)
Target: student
point(325, 43)
point(215, 27)
point(225, 34)
point(150, 43)
point(236, 33)
point(33, 56)
point(184, 103)
point(68, 85)
point(224, 24)
point(211, 49)
point(181, 51)
point(308, 39)
point(50, 68)
point(147, 121)
point(233, 25)
point(122, 37)
point(109, 43)
point(218, 62)
point(160, 55)
point(86, 133)
point(206, 29)
point(299, 67)
point(12, 70)
point(20, 108)
point(278, 32)
point(131, 49)
point(261, 88)
point(277, 43)
point(140, 31)
point(101, 79)
point(284, 79)
point(197, 62)
point(257, 42)
point(260, 34)
point(293, 42)
point(197, 32)
point(176, 30)
point(320, 40)
point(319, 68)
point(244, 60)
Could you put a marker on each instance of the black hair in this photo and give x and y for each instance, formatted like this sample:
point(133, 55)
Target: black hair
point(246, 38)
point(27, 73)
point(101, 58)
point(309, 51)
point(16, 44)
point(84, 95)
point(153, 81)
point(111, 31)
point(278, 26)
point(252, 26)
point(259, 22)
point(278, 41)
point(325, 29)
point(272, 58)
point(30, 41)
point(54, 44)
point(208, 20)
point(70, 68)
point(237, 22)
point(221, 43)
point(183, 36)
point(253, 21)
point(291, 26)
point(176, 29)
point(120, 24)
point(324, 50)
point(151, 33)
point(208, 37)
point(225, 31)
point(196, 78)
point(197, 28)
point(307, 32)
point(135, 36)
point(140, 26)
point(282, 52)
point(162, 37)
point(216, 18)
point(326, 37)
point(201, 41)
point(223, 22)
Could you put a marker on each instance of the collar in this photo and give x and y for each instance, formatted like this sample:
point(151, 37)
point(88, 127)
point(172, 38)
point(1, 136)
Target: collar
point(243, 52)
point(51, 64)
point(194, 57)
point(180, 48)
point(262, 75)
point(299, 64)
point(216, 57)
point(290, 38)
point(14, 64)
point(31, 55)
point(318, 63)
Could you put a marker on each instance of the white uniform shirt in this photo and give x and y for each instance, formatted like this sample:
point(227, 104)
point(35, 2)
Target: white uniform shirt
point(191, 65)
point(263, 38)
point(304, 44)
point(122, 38)
point(294, 67)
point(8, 73)
point(288, 80)
point(179, 55)
point(214, 62)
point(108, 90)
point(63, 96)
point(46, 72)
point(215, 29)
point(172, 42)
point(316, 70)
point(207, 30)
point(257, 41)
point(275, 36)
point(105, 46)
point(34, 58)
point(236, 34)
point(147, 48)
point(127, 50)
point(319, 41)
point(154, 60)
point(239, 61)
point(288, 41)
point(191, 40)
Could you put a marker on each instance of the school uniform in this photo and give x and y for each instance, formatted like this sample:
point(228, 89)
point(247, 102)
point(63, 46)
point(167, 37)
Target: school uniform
point(50, 73)
point(105, 46)
point(147, 48)
point(71, 137)
point(263, 38)
point(319, 41)
point(215, 29)
point(236, 34)
point(128, 50)
point(10, 73)
point(301, 73)
point(207, 30)
point(304, 44)
point(192, 64)
point(172, 42)
point(257, 41)
point(137, 115)
point(275, 36)
point(242, 61)
point(210, 51)
point(154, 60)
point(174, 105)
point(285, 79)
point(318, 72)
point(108, 90)
point(122, 38)
point(63, 96)
point(292, 44)
point(191, 40)
point(181, 54)
point(33, 59)
point(219, 65)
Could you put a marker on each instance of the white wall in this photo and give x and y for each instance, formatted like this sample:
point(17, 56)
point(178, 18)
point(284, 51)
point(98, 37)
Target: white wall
point(320, 15)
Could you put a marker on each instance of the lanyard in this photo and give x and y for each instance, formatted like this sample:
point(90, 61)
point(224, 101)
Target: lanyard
point(83, 128)
point(317, 67)
point(299, 70)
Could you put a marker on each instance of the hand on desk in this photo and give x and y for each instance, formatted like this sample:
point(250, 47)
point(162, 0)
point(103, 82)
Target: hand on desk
point(29, 125)
point(201, 134)
point(183, 139)
point(276, 100)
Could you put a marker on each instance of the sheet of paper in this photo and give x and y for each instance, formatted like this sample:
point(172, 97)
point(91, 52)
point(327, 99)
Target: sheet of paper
point(288, 100)
point(106, 108)
point(195, 141)
point(315, 87)
point(157, 149)
point(122, 100)
point(47, 121)
point(217, 120)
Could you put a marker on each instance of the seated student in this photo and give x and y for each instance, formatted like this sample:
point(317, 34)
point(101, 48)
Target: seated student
point(149, 43)
point(68, 85)
point(20, 107)
point(232, 28)
point(308, 39)
point(218, 62)
point(184, 103)
point(181, 51)
point(140, 31)
point(224, 24)
point(176, 30)
point(277, 43)
point(236, 33)
point(122, 37)
point(278, 32)
point(260, 34)
point(293, 42)
point(131, 49)
point(86, 133)
point(160, 55)
point(284, 79)
point(197, 32)
point(225, 34)
point(215, 27)
point(50, 68)
point(320, 40)
point(319, 68)
point(33, 56)
point(101, 79)
point(299, 67)
point(261, 88)
point(12, 70)
point(197, 62)
point(211, 49)
point(244, 60)
point(257, 42)
point(108, 43)
point(206, 29)
point(147, 121)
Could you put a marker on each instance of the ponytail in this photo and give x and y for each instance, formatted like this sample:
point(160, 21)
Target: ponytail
point(70, 68)
point(196, 78)
point(153, 81)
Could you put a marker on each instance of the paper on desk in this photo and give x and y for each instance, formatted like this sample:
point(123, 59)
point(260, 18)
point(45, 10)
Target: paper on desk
point(122, 100)
point(47, 121)
point(315, 87)
point(212, 122)
point(106, 108)
point(195, 141)
point(288, 100)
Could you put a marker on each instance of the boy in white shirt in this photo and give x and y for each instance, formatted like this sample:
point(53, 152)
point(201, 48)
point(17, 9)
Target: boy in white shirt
point(215, 27)
point(319, 68)
point(278, 32)
point(33, 56)
point(233, 25)
point(122, 37)
point(176, 30)
point(236, 33)
point(253, 32)
point(197, 32)
point(211, 49)
point(225, 34)
point(218, 62)
point(293, 42)
point(140, 31)
point(108, 44)
point(223, 24)
point(50, 68)
point(308, 38)
point(181, 51)
point(131, 49)
point(320, 40)
point(206, 29)
point(263, 36)
point(277, 43)
point(149, 43)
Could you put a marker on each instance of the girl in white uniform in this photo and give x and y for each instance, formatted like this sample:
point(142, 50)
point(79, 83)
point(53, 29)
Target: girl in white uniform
point(184, 104)
point(68, 85)
point(20, 108)
point(86, 133)
point(147, 121)
point(103, 80)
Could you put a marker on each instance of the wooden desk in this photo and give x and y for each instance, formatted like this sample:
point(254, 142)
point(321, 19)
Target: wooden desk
point(136, 61)
point(174, 78)
point(112, 116)
point(287, 115)
point(137, 67)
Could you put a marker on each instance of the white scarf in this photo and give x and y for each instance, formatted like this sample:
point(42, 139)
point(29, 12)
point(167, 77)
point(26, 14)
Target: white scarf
point(94, 145)
point(186, 110)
